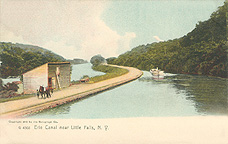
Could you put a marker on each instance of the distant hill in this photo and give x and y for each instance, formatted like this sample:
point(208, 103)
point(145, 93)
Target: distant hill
point(77, 61)
point(204, 50)
point(33, 48)
point(19, 58)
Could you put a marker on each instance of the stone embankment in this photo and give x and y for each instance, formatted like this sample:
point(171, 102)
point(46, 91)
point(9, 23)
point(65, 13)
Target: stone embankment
point(24, 107)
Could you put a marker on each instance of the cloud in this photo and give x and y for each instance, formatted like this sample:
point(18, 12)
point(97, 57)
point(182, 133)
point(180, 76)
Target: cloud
point(60, 47)
point(158, 39)
point(124, 42)
point(72, 29)
point(8, 36)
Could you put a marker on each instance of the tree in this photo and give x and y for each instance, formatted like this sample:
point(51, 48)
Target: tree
point(97, 60)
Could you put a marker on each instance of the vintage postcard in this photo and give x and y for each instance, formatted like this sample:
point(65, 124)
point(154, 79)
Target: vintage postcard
point(107, 71)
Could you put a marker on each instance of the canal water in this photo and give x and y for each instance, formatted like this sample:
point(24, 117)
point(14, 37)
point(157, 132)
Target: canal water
point(175, 95)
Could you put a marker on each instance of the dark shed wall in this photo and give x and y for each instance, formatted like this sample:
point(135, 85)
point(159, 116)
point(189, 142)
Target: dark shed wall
point(64, 77)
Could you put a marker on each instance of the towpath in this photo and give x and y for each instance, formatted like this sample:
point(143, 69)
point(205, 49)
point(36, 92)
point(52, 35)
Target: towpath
point(23, 107)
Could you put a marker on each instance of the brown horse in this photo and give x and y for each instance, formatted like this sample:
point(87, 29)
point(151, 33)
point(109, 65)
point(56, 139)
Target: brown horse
point(43, 92)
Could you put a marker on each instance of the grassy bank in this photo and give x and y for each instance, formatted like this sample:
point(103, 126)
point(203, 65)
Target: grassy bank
point(2, 100)
point(110, 71)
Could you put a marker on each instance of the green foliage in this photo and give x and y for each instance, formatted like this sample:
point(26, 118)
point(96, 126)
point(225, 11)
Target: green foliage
point(97, 59)
point(110, 59)
point(110, 71)
point(16, 61)
point(202, 51)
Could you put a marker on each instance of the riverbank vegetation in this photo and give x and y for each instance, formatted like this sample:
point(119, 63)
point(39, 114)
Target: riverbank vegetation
point(99, 64)
point(110, 71)
point(204, 50)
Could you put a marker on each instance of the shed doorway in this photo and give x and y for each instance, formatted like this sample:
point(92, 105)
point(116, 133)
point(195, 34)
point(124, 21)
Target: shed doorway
point(50, 83)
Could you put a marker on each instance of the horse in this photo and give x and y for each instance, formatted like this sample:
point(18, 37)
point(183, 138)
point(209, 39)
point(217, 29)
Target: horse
point(44, 91)
point(48, 92)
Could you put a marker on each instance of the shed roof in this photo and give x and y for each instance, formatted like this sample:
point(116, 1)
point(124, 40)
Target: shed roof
point(49, 63)
point(57, 63)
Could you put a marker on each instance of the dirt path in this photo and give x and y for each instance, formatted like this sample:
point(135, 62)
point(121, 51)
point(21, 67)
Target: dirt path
point(19, 108)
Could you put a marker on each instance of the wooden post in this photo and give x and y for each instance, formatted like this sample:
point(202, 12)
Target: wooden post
point(57, 76)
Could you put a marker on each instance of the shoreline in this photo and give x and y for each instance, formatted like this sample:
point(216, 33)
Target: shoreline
point(68, 95)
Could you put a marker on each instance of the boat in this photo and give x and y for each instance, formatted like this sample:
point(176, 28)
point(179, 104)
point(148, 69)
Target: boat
point(157, 73)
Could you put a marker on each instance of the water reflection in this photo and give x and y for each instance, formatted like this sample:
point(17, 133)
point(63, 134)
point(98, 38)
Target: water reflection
point(210, 94)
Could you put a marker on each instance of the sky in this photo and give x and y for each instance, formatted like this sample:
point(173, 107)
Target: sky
point(82, 29)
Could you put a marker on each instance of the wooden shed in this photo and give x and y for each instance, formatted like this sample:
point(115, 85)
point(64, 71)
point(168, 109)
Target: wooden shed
point(54, 75)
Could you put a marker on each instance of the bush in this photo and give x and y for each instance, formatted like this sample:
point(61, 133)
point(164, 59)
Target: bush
point(97, 60)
